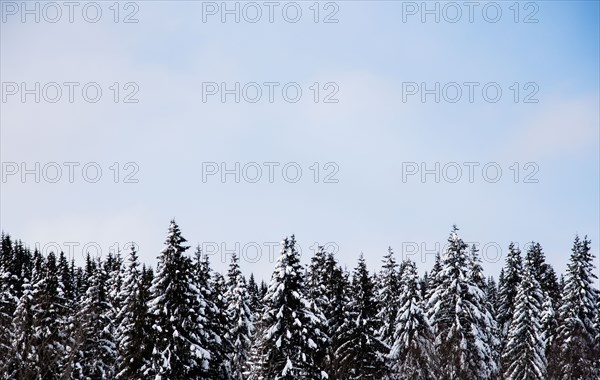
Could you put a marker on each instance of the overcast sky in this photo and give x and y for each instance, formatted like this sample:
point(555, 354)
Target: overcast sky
point(371, 131)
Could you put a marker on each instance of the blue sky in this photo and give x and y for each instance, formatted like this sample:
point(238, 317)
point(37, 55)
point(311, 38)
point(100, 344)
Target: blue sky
point(368, 134)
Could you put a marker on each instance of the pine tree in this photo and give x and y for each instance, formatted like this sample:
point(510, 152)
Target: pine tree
point(49, 321)
point(457, 312)
point(543, 272)
point(291, 332)
point(255, 305)
point(388, 298)
point(216, 324)
point(524, 353)
point(319, 293)
point(413, 353)
point(241, 320)
point(133, 325)
point(507, 293)
point(177, 309)
point(487, 321)
point(549, 322)
point(20, 360)
point(220, 326)
point(335, 287)
point(577, 331)
point(8, 296)
point(361, 353)
point(433, 280)
point(95, 350)
point(492, 293)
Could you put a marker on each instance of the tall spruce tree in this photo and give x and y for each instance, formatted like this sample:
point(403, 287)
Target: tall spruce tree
point(577, 331)
point(291, 324)
point(95, 351)
point(20, 359)
point(241, 320)
point(49, 321)
point(215, 318)
point(8, 297)
point(524, 354)
point(458, 314)
point(361, 353)
point(508, 287)
point(336, 289)
point(413, 352)
point(319, 292)
point(388, 297)
point(133, 325)
point(177, 309)
point(220, 326)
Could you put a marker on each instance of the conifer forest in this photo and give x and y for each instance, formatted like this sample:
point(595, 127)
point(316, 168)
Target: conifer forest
point(119, 318)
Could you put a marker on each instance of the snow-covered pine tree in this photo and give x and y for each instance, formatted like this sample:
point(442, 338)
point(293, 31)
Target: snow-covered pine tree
point(491, 289)
point(544, 272)
point(49, 328)
point(240, 320)
point(215, 323)
point(133, 325)
point(114, 268)
point(388, 296)
point(320, 293)
point(291, 331)
point(8, 297)
point(487, 321)
point(19, 361)
point(577, 331)
point(255, 305)
point(549, 322)
point(457, 313)
point(221, 327)
point(507, 292)
point(413, 353)
point(433, 279)
point(94, 352)
point(262, 290)
point(361, 354)
point(524, 353)
point(330, 289)
point(176, 307)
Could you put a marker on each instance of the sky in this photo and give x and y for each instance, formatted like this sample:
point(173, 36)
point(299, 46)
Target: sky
point(356, 125)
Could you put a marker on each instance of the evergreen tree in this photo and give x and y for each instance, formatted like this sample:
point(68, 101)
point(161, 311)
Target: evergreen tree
point(543, 272)
point(133, 325)
point(577, 331)
point(508, 286)
point(335, 288)
point(216, 324)
point(433, 280)
point(240, 320)
point(95, 350)
point(8, 296)
point(524, 353)
point(491, 289)
point(413, 353)
point(220, 326)
point(487, 321)
point(458, 314)
point(291, 332)
point(49, 333)
point(388, 298)
point(20, 360)
point(177, 309)
point(361, 353)
point(319, 293)
point(255, 305)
